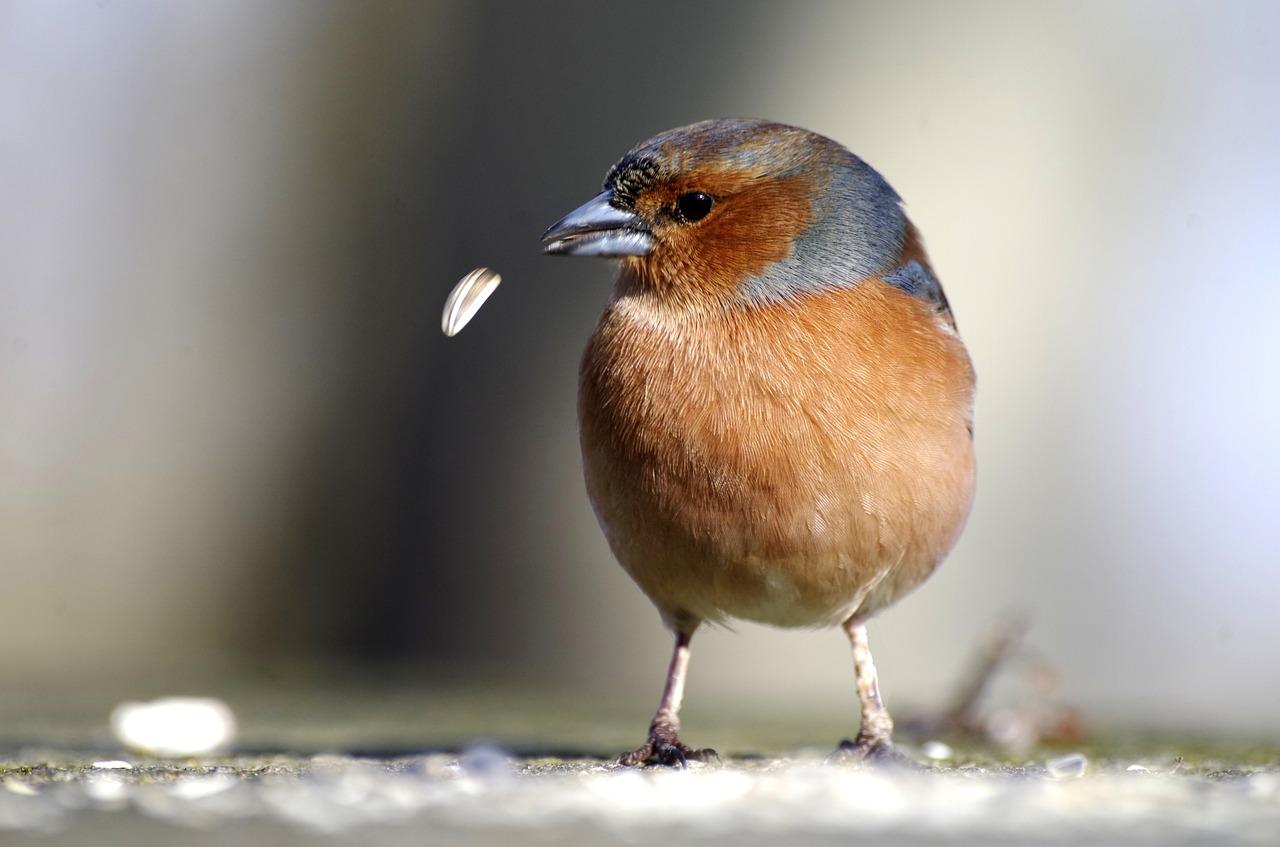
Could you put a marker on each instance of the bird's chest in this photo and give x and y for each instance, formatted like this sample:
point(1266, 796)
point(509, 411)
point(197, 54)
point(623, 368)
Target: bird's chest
point(721, 433)
point(775, 466)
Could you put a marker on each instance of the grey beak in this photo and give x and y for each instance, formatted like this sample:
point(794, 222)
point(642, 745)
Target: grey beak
point(598, 228)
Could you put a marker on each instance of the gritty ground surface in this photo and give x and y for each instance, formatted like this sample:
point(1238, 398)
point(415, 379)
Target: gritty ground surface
point(410, 772)
point(484, 796)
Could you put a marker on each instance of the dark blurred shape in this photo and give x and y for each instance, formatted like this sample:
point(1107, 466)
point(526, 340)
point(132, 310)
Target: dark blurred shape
point(406, 546)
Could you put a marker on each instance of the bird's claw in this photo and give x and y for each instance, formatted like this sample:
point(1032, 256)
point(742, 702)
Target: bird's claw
point(667, 750)
point(874, 749)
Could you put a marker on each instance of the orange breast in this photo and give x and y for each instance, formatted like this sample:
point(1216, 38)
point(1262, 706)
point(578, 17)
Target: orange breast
point(790, 463)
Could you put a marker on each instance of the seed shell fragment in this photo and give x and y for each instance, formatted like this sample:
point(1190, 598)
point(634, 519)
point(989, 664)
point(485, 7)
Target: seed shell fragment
point(466, 299)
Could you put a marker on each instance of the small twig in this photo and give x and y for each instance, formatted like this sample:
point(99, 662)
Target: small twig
point(1001, 643)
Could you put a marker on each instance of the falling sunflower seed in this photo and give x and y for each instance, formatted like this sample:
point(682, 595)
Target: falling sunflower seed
point(466, 298)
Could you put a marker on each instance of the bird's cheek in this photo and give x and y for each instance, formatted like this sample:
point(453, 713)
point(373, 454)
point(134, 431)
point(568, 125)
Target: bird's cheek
point(687, 270)
point(757, 231)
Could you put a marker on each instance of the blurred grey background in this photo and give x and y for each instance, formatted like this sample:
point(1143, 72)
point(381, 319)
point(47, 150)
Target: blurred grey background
point(233, 436)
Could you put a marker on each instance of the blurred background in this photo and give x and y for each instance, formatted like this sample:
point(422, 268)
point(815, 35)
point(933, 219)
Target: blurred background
point(233, 438)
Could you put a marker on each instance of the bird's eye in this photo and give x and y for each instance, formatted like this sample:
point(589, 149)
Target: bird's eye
point(694, 206)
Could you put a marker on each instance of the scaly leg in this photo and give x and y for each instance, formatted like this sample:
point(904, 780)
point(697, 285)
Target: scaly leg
point(664, 746)
point(875, 737)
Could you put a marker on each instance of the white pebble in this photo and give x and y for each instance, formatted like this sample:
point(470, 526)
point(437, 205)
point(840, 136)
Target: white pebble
point(936, 750)
point(112, 764)
point(1070, 766)
point(174, 726)
point(466, 298)
point(485, 760)
point(1137, 769)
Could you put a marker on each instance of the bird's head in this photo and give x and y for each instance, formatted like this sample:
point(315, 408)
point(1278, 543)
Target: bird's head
point(738, 211)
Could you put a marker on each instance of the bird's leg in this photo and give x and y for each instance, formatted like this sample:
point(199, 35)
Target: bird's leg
point(664, 746)
point(874, 739)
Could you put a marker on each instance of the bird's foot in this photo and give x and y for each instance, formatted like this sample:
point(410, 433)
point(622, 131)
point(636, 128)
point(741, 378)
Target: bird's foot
point(871, 748)
point(664, 748)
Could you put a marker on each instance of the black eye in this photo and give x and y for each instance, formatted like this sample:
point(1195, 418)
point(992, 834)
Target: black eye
point(694, 206)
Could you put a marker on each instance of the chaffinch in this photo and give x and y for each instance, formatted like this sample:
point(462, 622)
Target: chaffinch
point(775, 409)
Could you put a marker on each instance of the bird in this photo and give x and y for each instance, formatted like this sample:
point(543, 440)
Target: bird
point(775, 408)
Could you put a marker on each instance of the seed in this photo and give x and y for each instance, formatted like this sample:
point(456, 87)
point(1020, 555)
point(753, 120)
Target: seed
point(466, 298)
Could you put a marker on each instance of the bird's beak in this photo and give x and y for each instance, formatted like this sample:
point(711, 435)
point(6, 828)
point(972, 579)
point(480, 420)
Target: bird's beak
point(598, 229)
